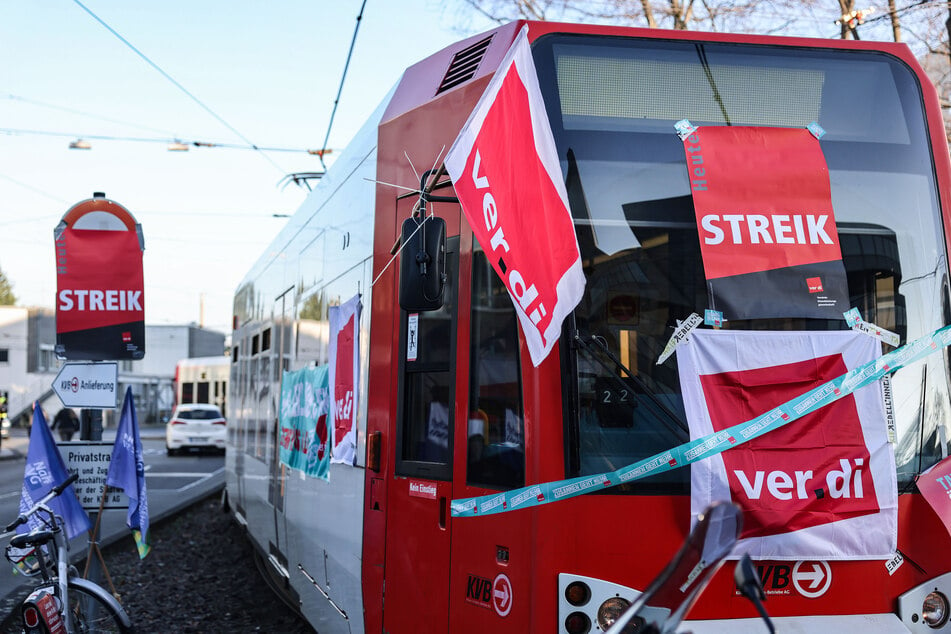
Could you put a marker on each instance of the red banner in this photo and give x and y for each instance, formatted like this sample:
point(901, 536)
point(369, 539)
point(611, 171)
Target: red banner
point(767, 229)
point(821, 487)
point(100, 298)
point(935, 486)
point(344, 377)
point(508, 179)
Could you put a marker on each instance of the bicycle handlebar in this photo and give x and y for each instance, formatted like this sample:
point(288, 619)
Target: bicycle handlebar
point(54, 492)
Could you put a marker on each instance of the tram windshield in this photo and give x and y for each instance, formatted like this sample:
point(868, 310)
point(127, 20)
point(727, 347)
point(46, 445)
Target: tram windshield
point(613, 104)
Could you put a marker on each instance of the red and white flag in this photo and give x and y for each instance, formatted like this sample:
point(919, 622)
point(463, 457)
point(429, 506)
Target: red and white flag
point(767, 229)
point(344, 378)
point(820, 487)
point(506, 173)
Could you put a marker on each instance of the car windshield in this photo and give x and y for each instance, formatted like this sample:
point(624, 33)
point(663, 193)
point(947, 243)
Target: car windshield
point(198, 414)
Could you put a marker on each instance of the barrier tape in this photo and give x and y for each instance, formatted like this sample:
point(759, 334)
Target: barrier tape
point(690, 452)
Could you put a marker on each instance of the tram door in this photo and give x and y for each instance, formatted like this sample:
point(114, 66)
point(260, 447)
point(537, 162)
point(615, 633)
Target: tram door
point(420, 490)
point(275, 360)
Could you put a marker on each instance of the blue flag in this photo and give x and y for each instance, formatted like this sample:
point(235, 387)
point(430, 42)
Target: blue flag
point(127, 472)
point(44, 470)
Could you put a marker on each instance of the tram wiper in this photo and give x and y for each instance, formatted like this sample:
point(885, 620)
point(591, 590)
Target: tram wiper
point(670, 419)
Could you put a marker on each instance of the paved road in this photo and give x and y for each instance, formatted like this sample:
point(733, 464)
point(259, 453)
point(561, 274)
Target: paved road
point(172, 483)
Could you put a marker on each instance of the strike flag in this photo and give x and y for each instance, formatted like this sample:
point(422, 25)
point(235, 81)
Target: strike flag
point(127, 472)
point(345, 377)
point(767, 231)
point(100, 292)
point(44, 470)
point(506, 173)
point(935, 487)
point(822, 487)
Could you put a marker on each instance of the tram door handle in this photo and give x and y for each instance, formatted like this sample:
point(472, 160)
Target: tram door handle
point(443, 507)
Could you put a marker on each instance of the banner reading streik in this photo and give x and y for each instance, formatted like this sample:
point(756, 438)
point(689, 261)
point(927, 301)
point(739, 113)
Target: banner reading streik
point(824, 487)
point(767, 231)
point(100, 288)
point(344, 378)
point(506, 173)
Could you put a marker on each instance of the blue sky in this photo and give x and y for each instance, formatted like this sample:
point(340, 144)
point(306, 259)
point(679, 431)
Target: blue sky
point(270, 70)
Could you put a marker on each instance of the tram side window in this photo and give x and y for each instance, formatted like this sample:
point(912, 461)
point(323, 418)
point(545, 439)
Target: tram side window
point(425, 439)
point(495, 429)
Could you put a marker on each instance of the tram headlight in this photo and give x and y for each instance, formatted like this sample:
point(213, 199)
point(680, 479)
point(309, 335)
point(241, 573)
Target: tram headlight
point(610, 610)
point(934, 609)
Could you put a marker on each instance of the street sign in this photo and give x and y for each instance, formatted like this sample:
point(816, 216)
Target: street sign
point(100, 293)
point(88, 385)
point(91, 461)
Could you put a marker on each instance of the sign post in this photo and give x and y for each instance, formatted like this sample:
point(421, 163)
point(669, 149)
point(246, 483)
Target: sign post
point(100, 316)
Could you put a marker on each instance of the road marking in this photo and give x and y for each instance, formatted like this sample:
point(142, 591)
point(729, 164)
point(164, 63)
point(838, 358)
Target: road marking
point(207, 476)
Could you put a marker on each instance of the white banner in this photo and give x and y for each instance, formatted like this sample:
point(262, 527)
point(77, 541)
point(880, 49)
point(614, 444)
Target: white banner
point(344, 378)
point(822, 487)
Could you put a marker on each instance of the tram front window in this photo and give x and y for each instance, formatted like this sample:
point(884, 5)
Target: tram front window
point(613, 104)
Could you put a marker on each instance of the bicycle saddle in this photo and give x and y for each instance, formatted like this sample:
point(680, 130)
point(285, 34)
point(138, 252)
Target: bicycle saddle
point(37, 538)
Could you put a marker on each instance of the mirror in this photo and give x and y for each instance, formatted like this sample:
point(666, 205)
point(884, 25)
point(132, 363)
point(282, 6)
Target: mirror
point(422, 263)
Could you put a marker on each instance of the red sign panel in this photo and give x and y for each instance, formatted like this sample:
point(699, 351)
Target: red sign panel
point(807, 474)
point(767, 229)
point(100, 292)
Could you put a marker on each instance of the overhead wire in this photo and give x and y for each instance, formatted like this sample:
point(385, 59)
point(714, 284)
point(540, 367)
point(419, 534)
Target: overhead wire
point(107, 137)
point(43, 104)
point(178, 85)
point(343, 78)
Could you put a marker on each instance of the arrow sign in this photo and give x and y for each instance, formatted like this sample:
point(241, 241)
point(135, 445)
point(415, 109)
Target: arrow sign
point(88, 385)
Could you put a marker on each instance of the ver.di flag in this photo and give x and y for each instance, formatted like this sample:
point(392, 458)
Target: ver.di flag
point(767, 230)
point(44, 470)
point(127, 472)
point(344, 378)
point(822, 487)
point(506, 174)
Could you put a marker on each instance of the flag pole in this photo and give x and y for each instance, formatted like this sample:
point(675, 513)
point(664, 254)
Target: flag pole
point(94, 544)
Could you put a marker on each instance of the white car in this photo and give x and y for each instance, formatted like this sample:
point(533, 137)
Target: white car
point(195, 426)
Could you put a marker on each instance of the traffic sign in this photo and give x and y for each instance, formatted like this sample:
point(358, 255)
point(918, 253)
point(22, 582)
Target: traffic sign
point(100, 293)
point(88, 385)
point(91, 461)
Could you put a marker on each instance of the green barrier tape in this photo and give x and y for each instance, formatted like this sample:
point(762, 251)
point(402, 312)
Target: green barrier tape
point(687, 453)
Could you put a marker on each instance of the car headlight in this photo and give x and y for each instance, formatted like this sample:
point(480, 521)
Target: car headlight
point(934, 609)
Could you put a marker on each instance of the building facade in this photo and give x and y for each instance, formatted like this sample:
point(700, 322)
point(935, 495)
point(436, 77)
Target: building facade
point(28, 364)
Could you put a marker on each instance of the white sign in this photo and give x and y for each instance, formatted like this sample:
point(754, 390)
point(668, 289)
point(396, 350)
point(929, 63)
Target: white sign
point(88, 385)
point(91, 461)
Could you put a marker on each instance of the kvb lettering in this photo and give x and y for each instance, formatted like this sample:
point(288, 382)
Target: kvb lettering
point(845, 482)
point(526, 294)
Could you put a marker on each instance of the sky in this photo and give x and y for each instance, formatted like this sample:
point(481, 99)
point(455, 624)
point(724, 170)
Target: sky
point(262, 73)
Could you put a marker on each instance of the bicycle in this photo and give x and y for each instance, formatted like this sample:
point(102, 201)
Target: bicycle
point(88, 607)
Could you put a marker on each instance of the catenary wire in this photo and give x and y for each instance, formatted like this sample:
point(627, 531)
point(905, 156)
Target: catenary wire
point(164, 74)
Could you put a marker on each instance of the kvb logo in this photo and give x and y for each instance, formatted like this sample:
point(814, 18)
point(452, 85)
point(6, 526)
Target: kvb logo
point(811, 472)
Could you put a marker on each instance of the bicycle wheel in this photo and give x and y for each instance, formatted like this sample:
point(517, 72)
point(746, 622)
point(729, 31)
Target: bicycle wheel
point(94, 611)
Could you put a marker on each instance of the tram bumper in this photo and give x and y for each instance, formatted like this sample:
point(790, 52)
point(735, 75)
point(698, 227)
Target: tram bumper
point(864, 623)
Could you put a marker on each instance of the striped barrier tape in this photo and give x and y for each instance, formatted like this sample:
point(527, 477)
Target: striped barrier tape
point(695, 450)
